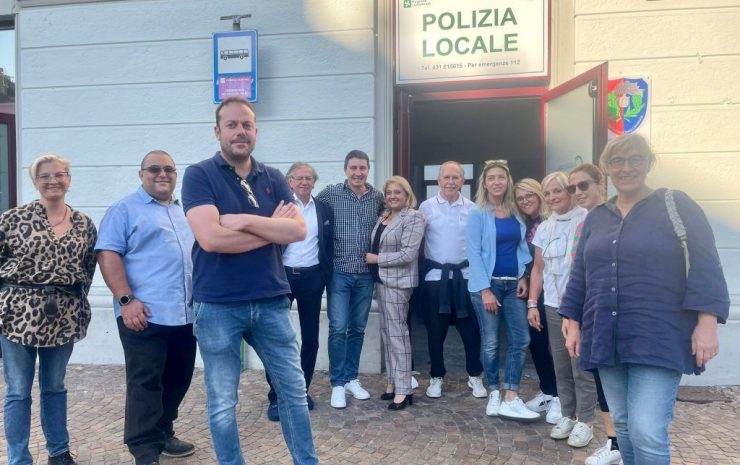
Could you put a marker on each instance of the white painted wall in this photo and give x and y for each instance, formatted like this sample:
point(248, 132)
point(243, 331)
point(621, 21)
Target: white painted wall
point(104, 83)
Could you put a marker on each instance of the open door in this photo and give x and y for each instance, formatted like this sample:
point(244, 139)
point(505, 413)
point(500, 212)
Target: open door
point(7, 162)
point(576, 120)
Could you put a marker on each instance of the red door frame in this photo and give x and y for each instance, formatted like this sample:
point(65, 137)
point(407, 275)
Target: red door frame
point(12, 186)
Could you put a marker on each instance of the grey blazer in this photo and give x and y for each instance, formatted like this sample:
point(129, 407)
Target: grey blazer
point(398, 264)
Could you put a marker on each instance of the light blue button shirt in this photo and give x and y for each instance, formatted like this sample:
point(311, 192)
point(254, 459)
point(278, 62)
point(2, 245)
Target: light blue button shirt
point(155, 243)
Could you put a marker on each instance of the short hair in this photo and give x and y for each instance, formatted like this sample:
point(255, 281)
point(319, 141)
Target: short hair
point(229, 101)
point(481, 196)
point(558, 176)
point(405, 186)
point(301, 164)
point(356, 154)
point(47, 158)
point(157, 151)
point(455, 163)
point(626, 143)
point(533, 186)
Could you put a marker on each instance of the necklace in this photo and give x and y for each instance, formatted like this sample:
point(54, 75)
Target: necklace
point(63, 218)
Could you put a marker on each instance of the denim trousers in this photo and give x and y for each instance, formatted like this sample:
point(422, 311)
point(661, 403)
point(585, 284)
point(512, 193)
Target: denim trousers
point(19, 367)
point(265, 324)
point(349, 298)
point(513, 312)
point(641, 400)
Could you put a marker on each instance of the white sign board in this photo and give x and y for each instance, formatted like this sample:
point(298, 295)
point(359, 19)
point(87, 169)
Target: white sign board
point(445, 40)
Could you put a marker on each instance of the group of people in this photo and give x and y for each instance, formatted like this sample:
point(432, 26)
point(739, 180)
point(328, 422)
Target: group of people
point(614, 299)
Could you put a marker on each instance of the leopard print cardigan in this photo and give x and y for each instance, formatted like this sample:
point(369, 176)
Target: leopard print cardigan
point(30, 253)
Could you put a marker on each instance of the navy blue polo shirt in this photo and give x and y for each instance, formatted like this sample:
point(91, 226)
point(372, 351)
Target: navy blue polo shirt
point(223, 277)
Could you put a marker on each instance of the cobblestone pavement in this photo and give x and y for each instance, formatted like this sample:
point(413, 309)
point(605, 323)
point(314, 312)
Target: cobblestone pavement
point(450, 430)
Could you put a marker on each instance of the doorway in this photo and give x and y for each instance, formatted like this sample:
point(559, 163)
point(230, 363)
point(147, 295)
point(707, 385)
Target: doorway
point(7, 116)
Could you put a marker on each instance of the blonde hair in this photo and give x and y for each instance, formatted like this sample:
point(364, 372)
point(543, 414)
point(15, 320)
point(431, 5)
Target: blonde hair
point(627, 143)
point(46, 158)
point(481, 196)
point(531, 185)
point(557, 176)
point(405, 186)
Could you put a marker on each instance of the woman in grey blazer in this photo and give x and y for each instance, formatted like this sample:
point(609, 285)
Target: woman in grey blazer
point(394, 249)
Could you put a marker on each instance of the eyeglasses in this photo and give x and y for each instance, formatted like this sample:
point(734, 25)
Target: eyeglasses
point(250, 195)
point(582, 186)
point(47, 178)
point(302, 178)
point(529, 196)
point(155, 169)
point(635, 161)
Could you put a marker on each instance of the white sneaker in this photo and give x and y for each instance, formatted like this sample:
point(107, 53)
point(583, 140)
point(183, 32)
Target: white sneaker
point(435, 388)
point(355, 388)
point(539, 402)
point(563, 428)
point(581, 435)
point(554, 411)
point(476, 384)
point(605, 455)
point(414, 382)
point(494, 403)
point(338, 397)
point(516, 410)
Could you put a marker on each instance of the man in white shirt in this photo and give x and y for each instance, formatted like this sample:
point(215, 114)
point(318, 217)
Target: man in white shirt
point(444, 292)
point(308, 266)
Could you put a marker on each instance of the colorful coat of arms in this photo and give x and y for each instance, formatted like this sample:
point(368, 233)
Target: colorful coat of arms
point(627, 104)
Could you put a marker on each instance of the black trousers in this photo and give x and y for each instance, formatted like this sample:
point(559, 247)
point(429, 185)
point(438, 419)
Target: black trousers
point(306, 288)
point(159, 368)
point(539, 347)
point(603, 405)
point(437, 325)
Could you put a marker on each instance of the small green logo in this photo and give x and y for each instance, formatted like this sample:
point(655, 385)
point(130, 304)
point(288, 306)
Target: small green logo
point(407, 3)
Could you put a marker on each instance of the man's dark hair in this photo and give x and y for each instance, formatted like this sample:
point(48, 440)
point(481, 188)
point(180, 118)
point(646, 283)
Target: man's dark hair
point(229, 101)
point(356, 154)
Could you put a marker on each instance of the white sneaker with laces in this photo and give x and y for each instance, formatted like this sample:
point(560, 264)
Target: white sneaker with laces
point(476, 384)
point(355, 388)
point(563, 428)
point(414, 382)
point(581, 435)
point(494, 403)
point(554, 411)
point(435, 388)
point(338, 397)
point(516, 410)
point(539, 402)
point(605, 455)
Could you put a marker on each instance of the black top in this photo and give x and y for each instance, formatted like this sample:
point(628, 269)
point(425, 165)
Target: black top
point(375, 248)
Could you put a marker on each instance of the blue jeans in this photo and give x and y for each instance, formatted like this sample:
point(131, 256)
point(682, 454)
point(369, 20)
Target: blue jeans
point(350, 296)
point(513, 311)
point(641, 400)
point(265, 324)
point(19, 366)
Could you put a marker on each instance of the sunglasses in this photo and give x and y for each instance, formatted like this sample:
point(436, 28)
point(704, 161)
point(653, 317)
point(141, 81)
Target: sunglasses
point(155, 169)
point(583, 186)
point(250, 195)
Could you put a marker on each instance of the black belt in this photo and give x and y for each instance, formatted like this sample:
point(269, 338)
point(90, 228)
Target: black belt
point(301, 269)
point(50, 307)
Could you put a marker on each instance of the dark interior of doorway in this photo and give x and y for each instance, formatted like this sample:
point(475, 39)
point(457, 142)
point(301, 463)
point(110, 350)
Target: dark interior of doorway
point(471, 132)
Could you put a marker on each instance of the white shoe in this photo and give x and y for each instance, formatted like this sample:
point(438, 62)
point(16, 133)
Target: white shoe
point(539, 402)
point(516, 410)
point(605, 455)
point(435, 388)
point(414, 382)
point(476, 384)
point(554, 411)
point(494, 403)
point(581, 435)
point(338, 397)
point(355, 388)
point(563, 428)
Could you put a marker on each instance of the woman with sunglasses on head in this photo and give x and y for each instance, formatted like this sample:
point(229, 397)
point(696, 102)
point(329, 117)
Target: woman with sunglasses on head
point(47, 262)
point(553, 243)
point(588, 186)
point(640, 307)
point(498, 254)
point(530, 202)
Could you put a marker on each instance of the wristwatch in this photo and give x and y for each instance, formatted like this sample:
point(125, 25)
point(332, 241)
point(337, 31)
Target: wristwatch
point(126, 299)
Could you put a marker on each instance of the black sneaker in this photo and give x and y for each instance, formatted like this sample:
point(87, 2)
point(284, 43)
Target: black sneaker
point(64, 458)
point(310, 402)
point(174, 447)
point(154, 462)
point(272, 411)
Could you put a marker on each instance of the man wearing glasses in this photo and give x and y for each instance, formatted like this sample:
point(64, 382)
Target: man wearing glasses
point(241, 213)
point(144, 254)
point(308, 266)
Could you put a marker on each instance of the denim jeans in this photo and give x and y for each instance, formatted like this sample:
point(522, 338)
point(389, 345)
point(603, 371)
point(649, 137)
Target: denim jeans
point(513, 311)
point(265, 324)
point(350, 296)
point(641, 400)
point(19, 367)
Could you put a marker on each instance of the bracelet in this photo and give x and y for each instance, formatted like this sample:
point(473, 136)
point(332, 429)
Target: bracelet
point(531, 305)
